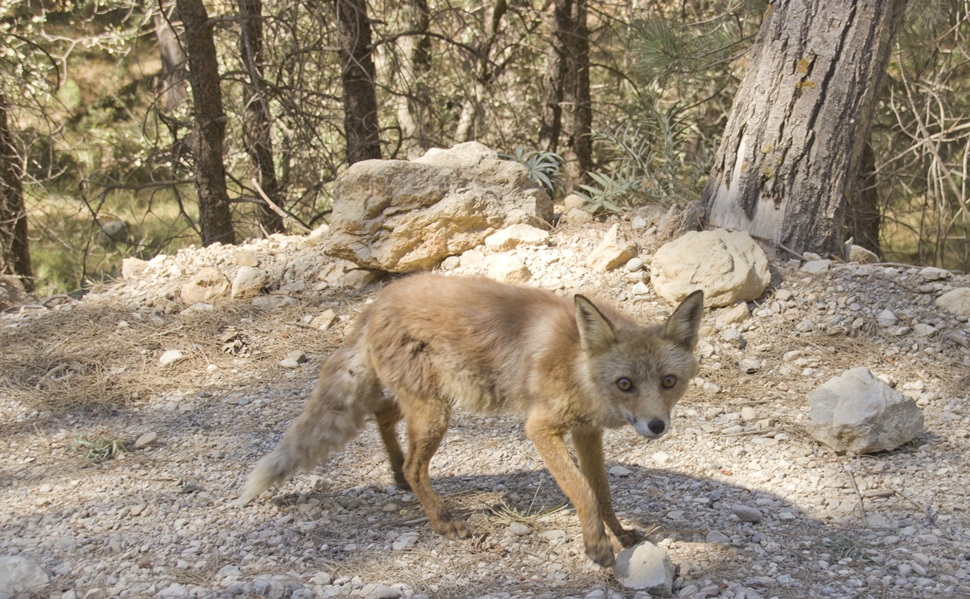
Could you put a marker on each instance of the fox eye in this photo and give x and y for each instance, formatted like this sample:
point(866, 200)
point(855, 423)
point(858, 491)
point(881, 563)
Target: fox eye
point(624, 384)
point(669, 381)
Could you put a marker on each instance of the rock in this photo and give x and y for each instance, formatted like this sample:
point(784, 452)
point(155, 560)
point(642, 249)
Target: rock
point(816, 267)
point(747, 514)
point(718, 537)
point(405, 541)
point(728, 266)
point(293, 359)
point(858, 412)
point(450, 263)
point(578, 216)
point(645, 567)
point(861, 255)
point(750, 365)
point(207, 285)
point(246, 258)
point(248, 282)
point(956, 301)
point(736, 314)
point(146, 440)
point(379, 591)
point(620, 471)
point(95, 594)
point(613, 251)
point(403, 216)
point(507, 269)
point(931, 273)
point(574, 202)
point(19, 574)
point(519, 529)
point(323, 321)
point(318, 235)
point(273, 302)
point(886, 318)
point(132, 268)
point(514, 236)
point(171, 357)
point(634, 264)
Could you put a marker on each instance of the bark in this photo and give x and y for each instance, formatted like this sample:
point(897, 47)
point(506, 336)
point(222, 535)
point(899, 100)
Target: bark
point(14, 247)
point(215, 217)
point(357, 75)
point(862, 216)
point(794, 139)
point(258, 120)
point(566, 116)
point(414, 61)
point(171, 83)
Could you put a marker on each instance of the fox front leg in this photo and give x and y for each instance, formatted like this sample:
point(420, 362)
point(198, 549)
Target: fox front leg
point(548, 439)
point(589, 449)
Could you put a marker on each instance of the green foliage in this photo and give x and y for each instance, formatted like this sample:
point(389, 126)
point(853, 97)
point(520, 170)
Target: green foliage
point(99, 448)
point(544, 168)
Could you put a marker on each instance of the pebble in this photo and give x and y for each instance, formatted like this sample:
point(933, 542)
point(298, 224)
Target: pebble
point(746, 513)
point(170, 357)
point(519, 529)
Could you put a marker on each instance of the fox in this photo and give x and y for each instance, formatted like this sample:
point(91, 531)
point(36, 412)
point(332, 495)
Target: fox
point(437, 342)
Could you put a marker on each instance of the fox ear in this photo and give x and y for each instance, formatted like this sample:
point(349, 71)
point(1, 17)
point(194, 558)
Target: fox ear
point(683, 324)
point(595, 330)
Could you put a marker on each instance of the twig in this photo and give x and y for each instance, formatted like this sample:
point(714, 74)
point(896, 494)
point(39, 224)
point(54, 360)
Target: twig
point(272, 206)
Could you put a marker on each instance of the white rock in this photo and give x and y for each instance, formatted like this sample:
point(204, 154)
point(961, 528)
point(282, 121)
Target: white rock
point(645, 567)
point(613, 251)
point(931, 273)
point(379, 591)
point(507, 269)
point(718, 537)
point(728, 266)
point(248, 282)
point(634, 264)
point(861, 255)
point(324, 320)
point(519, 529)
point(146, 440)
point(573, 201)
point(515, 236)
point(405, 541)
point(171, 357)
point(886, 318)
point(19, 574)
point(207, 285)
point(816, 267)
point(620, 471)
point(857, 412)
point(747, 514)
point(956, 301)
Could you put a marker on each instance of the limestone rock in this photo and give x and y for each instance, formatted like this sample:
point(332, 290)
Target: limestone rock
point(207, 285)
point(318, 235)
point(171, 357)
point(615, 250)
point(248, 282)
point(956, 301)
point(146, 440)
point(858, 412)
point(507, 269)
point(578, 216)
point(728, 266)
point(574, 202)
point(403, 216)
point(133, 268)
point(19, 574)
point(816, 267)
point(736, 314)
point(861, 255)
point(514, 236)
point(323, 321)
point(645, 567)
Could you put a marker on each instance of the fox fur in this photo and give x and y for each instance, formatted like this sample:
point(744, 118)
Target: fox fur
point(440, 342)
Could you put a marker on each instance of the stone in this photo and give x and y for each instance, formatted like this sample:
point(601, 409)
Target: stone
point(956, 301)
point(574, 201)
point(931, 273)
point(736, 314)
point(507, 269)
point(273, 302)
point(519, 529)
point(514, 236)
point(578, 216)
point(318, 235)
point(246, 258)
point(718, 537)
point(293, 359)
point(404, 216)
point(359, 278)
point(747, 514)
point(95, 594)
point(613, 251)
point(379, 591)
point(886, 318)
point(404, 541)
point(207, 285)
point(728, 266)
point(620, 471)
point(323, 321)
point(248, 282)
point(170, 357)
point(146, 440)
point(634, 264)
point(450, 263)
point(19, 574)
point(861, 255)
point(645, 567)
point(859, 413)
point(816, 267)
point(132, 268)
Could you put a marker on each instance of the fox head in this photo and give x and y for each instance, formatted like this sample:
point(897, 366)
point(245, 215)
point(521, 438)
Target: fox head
point(640, 372)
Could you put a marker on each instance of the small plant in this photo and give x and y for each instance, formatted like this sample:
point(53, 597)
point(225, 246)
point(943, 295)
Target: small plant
point(507, 513)
point(544, 168)
point(99, 448)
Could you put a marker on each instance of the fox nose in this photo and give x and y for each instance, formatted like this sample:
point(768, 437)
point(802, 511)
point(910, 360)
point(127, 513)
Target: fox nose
point(656, 426)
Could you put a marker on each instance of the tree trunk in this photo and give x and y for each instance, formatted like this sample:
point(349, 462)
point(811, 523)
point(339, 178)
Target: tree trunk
point(794, 138)
point(862, 215)
point(257, 121)
point(171, 83)
point(577, 112)
point(481, 74)
point(14, 248)
point(550, 113)
point(210, 125)
point(415, 60)
point(357, 74)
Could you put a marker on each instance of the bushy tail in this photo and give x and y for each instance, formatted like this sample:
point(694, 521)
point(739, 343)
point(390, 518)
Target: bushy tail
point(347, 391)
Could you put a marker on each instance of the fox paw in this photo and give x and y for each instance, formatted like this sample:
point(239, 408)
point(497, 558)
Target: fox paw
point(601, 553)
point(451, 528)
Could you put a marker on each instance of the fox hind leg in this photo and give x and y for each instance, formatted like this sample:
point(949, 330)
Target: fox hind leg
point(427, 421)
point(388, 415)
point(589, 449)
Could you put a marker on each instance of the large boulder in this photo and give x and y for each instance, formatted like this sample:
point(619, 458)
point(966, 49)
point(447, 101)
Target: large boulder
point(402, 216)
point(858, 412)
point(727, 265)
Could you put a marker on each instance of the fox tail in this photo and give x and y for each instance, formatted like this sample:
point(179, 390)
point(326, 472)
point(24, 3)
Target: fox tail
point(346, 392)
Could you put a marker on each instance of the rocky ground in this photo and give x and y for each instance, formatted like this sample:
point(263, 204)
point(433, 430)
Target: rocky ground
point(82, 381)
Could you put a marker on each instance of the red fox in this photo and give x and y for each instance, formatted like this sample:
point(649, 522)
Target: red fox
point(439, 342)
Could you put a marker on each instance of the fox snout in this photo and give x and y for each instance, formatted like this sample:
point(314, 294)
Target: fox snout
point(651, 428)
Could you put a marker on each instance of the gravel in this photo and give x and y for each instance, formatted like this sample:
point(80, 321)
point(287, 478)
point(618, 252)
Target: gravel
point(743, 501)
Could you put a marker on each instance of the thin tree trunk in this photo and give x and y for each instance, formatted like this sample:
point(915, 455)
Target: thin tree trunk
point(14, 247)
point(257, 123)
point(577, 111)
point(793, 141)
point(215, 217)
point(550, 113)
point(171, 83)
point(862, 216)
point(481, 74)
point(357, 73)
point(415, 60)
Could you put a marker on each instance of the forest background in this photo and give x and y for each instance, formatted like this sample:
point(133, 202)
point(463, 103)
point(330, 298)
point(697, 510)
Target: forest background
point(108, 110)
